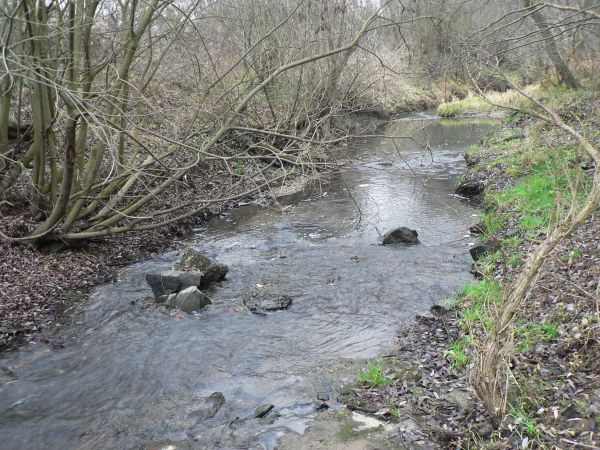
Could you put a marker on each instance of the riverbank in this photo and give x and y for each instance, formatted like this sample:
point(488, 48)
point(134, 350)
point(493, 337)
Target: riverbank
point(522, 172)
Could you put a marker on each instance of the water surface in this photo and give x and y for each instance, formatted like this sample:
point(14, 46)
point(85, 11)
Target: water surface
point(131, 374)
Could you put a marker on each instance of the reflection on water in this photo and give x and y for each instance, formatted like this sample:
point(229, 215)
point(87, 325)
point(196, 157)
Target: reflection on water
point(131, 375)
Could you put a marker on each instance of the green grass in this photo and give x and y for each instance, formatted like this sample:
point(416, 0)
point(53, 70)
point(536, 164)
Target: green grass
point(450, 109)
point(474, 300)
point(468, 105)
point(575, 254)
point(484, 290)
point(527, 426)
point(456, 354)
point(474, 104)
point(373, 376)
point(533, 198)
point(534, 332)
point(515, 259)
point(515, 118)
point(239, 170)
point(493, 221)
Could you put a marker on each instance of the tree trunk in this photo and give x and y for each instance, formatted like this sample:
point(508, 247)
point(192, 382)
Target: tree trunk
point(561, 67)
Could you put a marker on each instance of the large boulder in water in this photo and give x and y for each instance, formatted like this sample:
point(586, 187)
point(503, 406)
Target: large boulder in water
point(172, 281)
point(402, 235)
point(189, 300)
point(212, 271)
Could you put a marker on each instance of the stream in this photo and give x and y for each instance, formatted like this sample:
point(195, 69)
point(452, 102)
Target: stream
point(131, 374)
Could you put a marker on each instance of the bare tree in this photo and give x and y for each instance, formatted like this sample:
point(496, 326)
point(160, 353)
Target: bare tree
point(80, 70)
point(542, 24)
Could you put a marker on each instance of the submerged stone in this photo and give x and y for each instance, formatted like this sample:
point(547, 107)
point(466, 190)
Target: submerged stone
point(265, 301)
point(263, 410)
point(209, 406)
point(6, 375)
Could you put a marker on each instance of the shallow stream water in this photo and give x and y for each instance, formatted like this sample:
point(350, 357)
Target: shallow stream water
point(131, 374)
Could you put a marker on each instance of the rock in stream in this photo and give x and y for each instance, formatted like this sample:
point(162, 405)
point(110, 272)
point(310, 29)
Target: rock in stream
point(189, 300)
point(209, 407)
point(402, 235)
point(212, 271)
point(171, 281)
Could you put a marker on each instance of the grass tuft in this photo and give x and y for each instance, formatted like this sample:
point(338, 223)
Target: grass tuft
point(533, 198)
point(527, 425)
point(535, 332)
point(473, 104)
point(474, 300)
point(373, 376)
point(456, 354)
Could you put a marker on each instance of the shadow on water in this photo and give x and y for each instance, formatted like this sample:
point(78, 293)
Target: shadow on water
point(131, 374)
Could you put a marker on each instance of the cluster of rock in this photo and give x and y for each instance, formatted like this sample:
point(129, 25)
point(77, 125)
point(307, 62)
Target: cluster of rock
point(488, 245)
point(472, 187)
point(180, 286)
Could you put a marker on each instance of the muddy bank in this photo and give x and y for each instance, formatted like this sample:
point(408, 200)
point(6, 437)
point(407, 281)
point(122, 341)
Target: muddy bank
point(555, 400)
